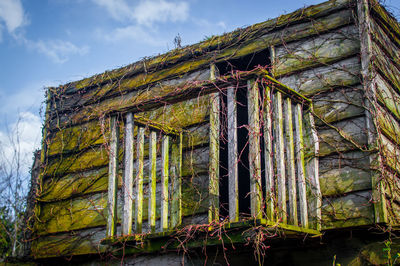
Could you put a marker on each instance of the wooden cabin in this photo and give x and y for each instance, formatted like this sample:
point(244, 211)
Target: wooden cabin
point(277, 143)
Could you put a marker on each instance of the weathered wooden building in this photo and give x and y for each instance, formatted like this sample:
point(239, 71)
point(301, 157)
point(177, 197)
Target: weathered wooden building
point(278, 142)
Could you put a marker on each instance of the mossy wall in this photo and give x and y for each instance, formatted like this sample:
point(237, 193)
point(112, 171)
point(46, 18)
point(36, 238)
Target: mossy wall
point(315, 51)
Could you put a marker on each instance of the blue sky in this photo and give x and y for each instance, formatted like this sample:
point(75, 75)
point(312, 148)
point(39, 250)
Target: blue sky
point(51, 42)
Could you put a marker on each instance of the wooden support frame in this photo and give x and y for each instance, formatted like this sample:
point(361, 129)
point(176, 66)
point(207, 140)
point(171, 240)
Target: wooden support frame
point(152, 180)
point(128, 176)
point(269, 153)
point(232, 156)
point(254, 148)
point(301, 177)
point(291, 162)
point(139, 180)
point(113, 178)
point(213, 187)
point(369, 83)
point(280, 157)
point(312, 167)
point(176, 182)
point(164, 182)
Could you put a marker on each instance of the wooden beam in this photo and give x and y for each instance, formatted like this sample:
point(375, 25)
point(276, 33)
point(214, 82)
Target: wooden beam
point(280, 157)
point(152, 180)
point(176, 182)
point(291, 163)
point(369, 84)
point(269, 153)
point(313, 175)
point(164, 182)
point(232, 156)
point(128, 176)
point(139, 180)
point(213, 211)
point(254, 149)
point(112, 178)
point(301, 177)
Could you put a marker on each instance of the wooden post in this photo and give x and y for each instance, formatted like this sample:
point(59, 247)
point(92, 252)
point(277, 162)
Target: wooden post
point(164, 182)
point(301, 178)
point(280, 157)
point(232, 157)
point(128, 176)
point(291, 162)
point(213, 189)
point(369, 85)
point(139, 180)
point(152, 180)
point(113, 179)
point(313, 175)
point(254, 149)
point(269, 163)
point(176, 173)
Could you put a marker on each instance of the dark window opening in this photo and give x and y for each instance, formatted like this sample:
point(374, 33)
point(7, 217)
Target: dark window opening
point(245, 63)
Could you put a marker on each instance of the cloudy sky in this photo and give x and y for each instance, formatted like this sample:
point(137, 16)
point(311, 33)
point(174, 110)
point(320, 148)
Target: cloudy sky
point(51, 42)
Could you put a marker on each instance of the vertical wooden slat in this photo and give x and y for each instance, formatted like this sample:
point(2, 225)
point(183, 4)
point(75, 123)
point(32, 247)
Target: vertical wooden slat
point(128, 176)
point(291, 163)
point(152, 180)
point(232, 157)
point(301, 178)
point(176, 173)
point(213, 187)
point(254, 149)
point(269, 167)
point(313, 175)
point(164, 182)
point(280, 157)
point(139, 180)
point(113, 179)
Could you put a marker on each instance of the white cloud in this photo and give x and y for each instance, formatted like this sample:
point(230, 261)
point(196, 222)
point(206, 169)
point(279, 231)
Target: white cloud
point(132, 32)
point(57, 50)
point(146, 12)
point(12, 14)
point(150, 11)
point(21, 137)
point(118, 9)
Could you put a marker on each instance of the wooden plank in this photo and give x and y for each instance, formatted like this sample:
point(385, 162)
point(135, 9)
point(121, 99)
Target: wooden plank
point(269, 153)
point(128, 176)
point(195, 162)
point(388, 124)
point(312, 167)
point(339, 104)
point(254, 148)
point(164, 182)
point(390, 153)
point(91, 210)
point(351, 210)
point(291, 162)
point(152, 180)
point(280, 157)
point(112, 179)
point(344, 179)
point(213, 212)
point(342, 136)
point(312, 81)
point(322, 50)
point(387, 96)
point(139, 181)
point(301, 168)
point(232, 156)
point(179, 115)
point(326, 21)
point(176, 182)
